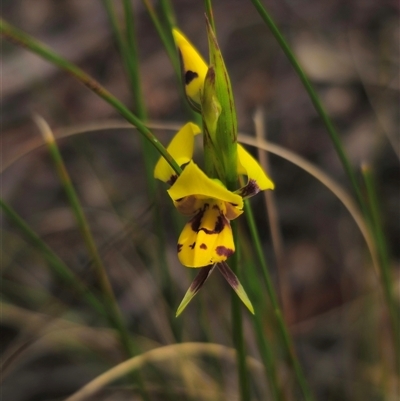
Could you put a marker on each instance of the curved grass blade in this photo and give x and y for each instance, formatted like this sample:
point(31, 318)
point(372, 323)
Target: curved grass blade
point(314, 98)
point(20, 38)
point(114, 313)
point(385, 273)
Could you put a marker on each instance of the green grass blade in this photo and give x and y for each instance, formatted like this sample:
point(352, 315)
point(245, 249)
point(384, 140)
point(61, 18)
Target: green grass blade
point(105, 285)
point(314, 98)
point(17, 36)
point(58, 266)
point(133, 55)
point(113, 311)
point(149, 161)
point(166, 38)
point(168, 12)
point(385, 273)
point(128, 50)
point(284, 332)
point(237, 328)
point(165, 34)
point(262, 310)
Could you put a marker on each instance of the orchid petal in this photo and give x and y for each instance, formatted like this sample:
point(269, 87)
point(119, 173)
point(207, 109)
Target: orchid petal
point(193, 181)
point(207, 238)
point(194, 69)
point(257, 179)
point(181, 149)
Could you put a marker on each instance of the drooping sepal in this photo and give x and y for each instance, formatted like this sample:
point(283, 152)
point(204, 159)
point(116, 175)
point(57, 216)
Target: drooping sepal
point(195, 287)
point(234, 282)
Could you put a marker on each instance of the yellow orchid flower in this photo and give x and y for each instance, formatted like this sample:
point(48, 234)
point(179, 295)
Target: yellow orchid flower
point(207, 238)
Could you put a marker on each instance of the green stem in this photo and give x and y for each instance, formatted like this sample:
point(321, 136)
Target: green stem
point(284, 332)
point(209, 13)
point(22, 39)
point(314, 98)
point(267, 357)
point(386, 277)
point(58, 266)
point(237, 329)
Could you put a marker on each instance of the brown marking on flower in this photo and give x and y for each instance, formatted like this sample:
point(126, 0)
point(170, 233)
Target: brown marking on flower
point(220, 224)
point(192, 245)
point(179, 247)
point(172, 179)
point(196, 220)
point(224, 251)
point(190, 76)
point(203, 246)
point(250, 189)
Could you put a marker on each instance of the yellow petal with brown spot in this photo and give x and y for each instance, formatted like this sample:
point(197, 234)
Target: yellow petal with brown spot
point(207, 238)
point(194, 69)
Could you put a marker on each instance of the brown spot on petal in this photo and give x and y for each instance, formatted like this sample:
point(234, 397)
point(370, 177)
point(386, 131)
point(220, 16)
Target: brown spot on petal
point(193, 245)
point(224, 251)
point(196, 221)
point(203, 246)
point(250, 189)
point(172, 179)
point(220, 224)
point(190, 76)
point(179, 247)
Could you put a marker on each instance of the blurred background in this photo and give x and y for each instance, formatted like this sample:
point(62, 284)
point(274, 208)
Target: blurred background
point(333, 303)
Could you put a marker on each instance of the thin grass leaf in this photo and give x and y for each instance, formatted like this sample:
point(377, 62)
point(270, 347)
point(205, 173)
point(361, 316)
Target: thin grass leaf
point(114, 313)
point(167, 11)
point(283, 330)
point(237, 328)
point(333, 186)
point(165, 38)
point(133, 56)
point(56, 264)
point(209, 14)
point(260, 319)
point(335, 138)
point(385, 271)
point(22, 39)
point(195, 287)
point(160, 355)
